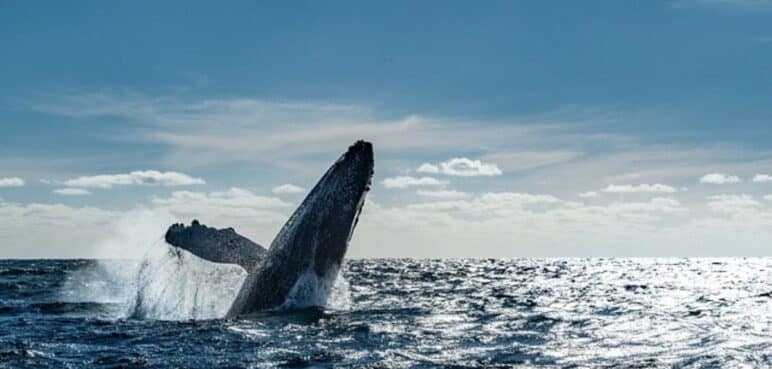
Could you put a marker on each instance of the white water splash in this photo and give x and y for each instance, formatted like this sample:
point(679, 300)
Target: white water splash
point(146, 277)
point(106, 282)
point(330, 291)
point(173, 284)
point(168, 284)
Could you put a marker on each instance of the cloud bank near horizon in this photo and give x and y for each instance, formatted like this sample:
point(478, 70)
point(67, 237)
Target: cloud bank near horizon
point(535, 186)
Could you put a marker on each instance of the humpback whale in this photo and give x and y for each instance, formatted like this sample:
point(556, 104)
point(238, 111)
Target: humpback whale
point(311, 244)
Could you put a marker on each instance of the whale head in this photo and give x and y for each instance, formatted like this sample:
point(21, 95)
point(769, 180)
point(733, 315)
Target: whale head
point(316, 236)
point(336, 202)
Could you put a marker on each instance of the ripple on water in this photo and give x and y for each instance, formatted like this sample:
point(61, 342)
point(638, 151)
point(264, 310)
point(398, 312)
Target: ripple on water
point(402, 313)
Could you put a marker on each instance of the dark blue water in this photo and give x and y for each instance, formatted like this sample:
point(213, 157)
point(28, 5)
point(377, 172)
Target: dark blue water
point(573, 313)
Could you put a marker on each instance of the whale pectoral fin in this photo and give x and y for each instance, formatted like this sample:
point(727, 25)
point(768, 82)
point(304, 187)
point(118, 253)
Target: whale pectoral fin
point(216, 245)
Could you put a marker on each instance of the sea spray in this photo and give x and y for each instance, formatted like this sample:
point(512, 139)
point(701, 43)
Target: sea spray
point(138, 275)
point(107, 282)
point(173, 284)
point(134, 234)
point(168, 284)
point(330, 291)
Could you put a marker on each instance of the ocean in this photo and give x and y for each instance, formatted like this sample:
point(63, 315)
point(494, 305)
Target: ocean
point(395, 313)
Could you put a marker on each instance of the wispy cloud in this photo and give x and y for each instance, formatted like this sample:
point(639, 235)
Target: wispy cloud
point(443, 194)
point(408, 181)
point(762, 178)
point(71, 191)
point(240, 208)
point(719, 178)
point(463, 167)
point(287, 188)
point(641, 188)
point(517, 198)
point(215, 130)
point(489, 203)
point(232, 198)
point(732, 202)
point(546, 158)
point(140, 177)
point(11, 182)
point(508, 221)
point(290, 134)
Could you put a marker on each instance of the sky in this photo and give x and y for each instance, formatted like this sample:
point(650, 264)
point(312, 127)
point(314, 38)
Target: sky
point(501, 129)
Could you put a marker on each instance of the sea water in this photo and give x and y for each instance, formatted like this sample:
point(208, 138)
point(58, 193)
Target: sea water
point(393, 313)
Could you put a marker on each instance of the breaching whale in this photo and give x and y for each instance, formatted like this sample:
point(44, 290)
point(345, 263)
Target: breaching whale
point(311, 244)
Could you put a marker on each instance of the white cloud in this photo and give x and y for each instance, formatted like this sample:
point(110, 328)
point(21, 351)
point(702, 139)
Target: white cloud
point(517, 198)
point(71, 191)
point(428, 168)
point(407, 181)
point(641, 188)
point(497, 224)
point(444, 194)
point(463, 167)
point(731, 203)
point(287, 188)
point(762, 178)
point(140, 177)
point(468, 168)
point(768, 197)
point(488, 204)
point(565, 160)
point(51, 230)
point(257, 217)
point(518, 224)
point(659, 204)
point(235, 199)
point(11, 182)
point(254, 216)
point(719, 178)
point(37, 230)
point(589, 194)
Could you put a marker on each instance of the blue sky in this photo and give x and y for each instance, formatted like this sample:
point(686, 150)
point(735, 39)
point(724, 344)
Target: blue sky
point(577, 129)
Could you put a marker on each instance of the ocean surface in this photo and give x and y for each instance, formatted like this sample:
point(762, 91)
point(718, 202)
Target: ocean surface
point(394, 313)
